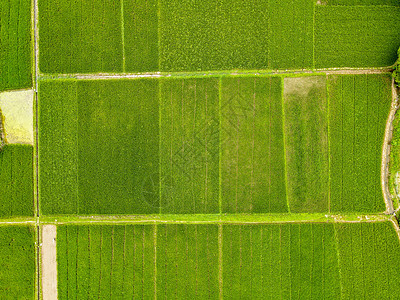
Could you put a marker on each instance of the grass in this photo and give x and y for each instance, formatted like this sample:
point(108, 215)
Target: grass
point(100, 141)
point(80, 36)
point(17, 261)
point(15, 44)
point(189, 149)
point(357, 42)
point(306, 142)
point(363, 2)
point(252, 162)
point(280, 261)
point(394, 162)
point(365, 252)
point(16, 181)
point(359, 106)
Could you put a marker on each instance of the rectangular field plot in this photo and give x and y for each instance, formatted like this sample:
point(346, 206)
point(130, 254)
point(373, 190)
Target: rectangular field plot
point(366, 253)
point(137, 261)
point(16, 181)
point(17, 260)
point(140, 34)
point(189, 154)
point(209, 35)
point(287, 261)
point(106, 262)
point(252, 153)
point(15, 44)
point(359, 36)
point(359, 106)
point(99, 147)
point(306, 143)
point(80, 36)
point(187, 261)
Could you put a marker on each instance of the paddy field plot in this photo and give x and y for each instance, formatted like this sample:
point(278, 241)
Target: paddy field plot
point(231, 144)
point(15, 44)
point(251, 141)
point(197, 261)
point(17, 262)
point(184, 36)
point(366, 254)
point(140, 261)
point(16, 181)
point(359, 106)
point(99, 147)
point(356, 36)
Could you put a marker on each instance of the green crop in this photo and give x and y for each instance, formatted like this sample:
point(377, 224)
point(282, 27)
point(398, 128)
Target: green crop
point(16, 180)
point(17, 259)
point(15, 44)
point(359, 105)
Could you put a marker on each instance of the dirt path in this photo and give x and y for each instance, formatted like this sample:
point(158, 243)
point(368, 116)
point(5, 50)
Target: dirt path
point(49, 262)
point(386, 152)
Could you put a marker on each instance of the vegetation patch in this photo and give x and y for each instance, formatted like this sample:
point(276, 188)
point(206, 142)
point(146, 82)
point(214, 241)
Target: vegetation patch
point(359, 107)
point(16, 181)
point(80, 36)
point(356, 42)
point(366, 252)
point(252, 146)
point(17, 257)
point(280, 261)
point(15, 44)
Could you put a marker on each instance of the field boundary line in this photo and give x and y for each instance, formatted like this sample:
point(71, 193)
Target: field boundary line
point(220, 262)
point(220, 145)
point(155, 261)
point(123, 35)
point(328, 98)
point(284, 141)
point(396, 226)
point(209, 73)
point(219, 219)
point(386, 151)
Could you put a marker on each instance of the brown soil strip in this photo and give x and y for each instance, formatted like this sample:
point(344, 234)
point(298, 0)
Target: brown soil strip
point(49, 262)
point(386, 151)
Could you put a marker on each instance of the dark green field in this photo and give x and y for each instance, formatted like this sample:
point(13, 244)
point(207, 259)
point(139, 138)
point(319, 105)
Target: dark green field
point(15, 44)
point(16, 181)
point(17, 262)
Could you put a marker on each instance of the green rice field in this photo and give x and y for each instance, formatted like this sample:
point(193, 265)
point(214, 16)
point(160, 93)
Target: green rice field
point(269, 261)
point(171, 35)
point(17, 262)
point(200, 149)
point(16, 181)
point(202, 145)
point(15, 45)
